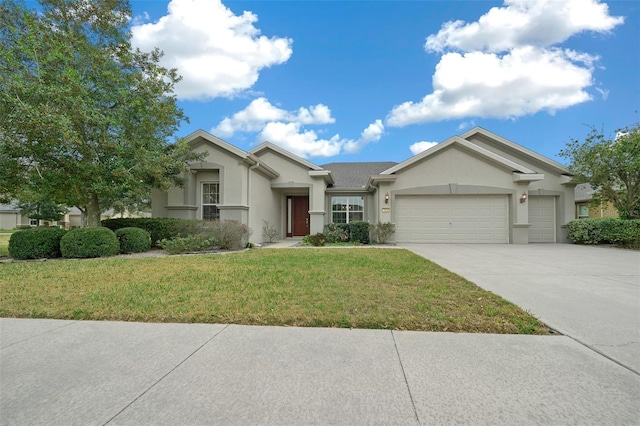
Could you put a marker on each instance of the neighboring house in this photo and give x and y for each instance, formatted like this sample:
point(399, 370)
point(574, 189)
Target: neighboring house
point(473, 188)
point(584, 209)
point(11, 218)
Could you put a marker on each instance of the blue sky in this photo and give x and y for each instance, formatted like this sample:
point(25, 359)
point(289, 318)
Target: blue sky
point(380, 80)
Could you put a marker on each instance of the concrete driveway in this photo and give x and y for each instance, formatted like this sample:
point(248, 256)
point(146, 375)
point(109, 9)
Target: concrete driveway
point(591, 294)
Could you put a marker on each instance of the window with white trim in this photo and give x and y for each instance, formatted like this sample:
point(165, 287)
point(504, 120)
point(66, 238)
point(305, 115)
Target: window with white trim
point(33, 222)
point(347, 209)
point(210, 200)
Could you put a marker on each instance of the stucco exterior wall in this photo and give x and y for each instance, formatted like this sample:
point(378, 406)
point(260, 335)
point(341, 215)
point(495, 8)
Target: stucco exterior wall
point(452, 166)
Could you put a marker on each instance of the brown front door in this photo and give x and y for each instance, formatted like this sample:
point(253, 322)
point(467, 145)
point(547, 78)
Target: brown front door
point(299, 216)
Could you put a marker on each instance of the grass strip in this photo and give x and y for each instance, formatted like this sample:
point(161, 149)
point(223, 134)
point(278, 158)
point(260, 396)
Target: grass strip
point(356, 288)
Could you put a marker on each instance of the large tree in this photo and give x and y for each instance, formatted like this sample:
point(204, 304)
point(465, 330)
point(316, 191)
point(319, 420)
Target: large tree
point(84, 118)
point(611, 165)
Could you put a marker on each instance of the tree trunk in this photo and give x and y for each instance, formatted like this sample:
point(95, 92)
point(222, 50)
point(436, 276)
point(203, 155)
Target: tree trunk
point(93, 211)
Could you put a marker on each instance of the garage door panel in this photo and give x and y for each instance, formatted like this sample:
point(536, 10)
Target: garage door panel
point(452, 219)
point(542, 214)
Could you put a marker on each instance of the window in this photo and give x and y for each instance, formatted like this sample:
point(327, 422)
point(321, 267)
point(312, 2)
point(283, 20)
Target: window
point(33, 222)
point(347, 209)
point(210, 200)
point(583, 211)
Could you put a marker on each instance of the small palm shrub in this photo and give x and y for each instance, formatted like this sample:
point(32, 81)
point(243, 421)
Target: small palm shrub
point(133, 240)
point(36, 243)
point(89, 242)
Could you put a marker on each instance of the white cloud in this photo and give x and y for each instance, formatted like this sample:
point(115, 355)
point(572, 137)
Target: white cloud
point(306, 143)
point(218, 54)
point(286, 129)
point(466, 124)
point(506, 64)
point(524, 23)
point(260, 112)
point(372, 133)
point(487, 85)
point(418, 147)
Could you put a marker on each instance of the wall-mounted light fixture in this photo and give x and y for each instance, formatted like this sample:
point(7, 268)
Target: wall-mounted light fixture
point(386, 198)
point(523, 198)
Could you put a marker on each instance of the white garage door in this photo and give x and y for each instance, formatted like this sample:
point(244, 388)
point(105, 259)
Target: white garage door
point(542, 217)
point(452, 219)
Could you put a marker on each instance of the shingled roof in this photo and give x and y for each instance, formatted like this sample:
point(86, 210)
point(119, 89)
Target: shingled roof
point(356, 175)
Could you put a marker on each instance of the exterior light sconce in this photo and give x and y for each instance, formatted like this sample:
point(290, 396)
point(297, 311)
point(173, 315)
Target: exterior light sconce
point(386, 198)
point(523, 198)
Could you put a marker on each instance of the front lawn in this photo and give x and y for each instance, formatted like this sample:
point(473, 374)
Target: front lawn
point(4, 242)
point(358, 288)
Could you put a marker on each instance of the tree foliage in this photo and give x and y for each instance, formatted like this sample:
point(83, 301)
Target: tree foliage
point(42, 209)
point(611, 166)
point(84, 119)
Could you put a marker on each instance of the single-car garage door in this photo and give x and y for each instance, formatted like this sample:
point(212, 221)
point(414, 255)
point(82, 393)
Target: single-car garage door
point(542, 217)
point(452, 218)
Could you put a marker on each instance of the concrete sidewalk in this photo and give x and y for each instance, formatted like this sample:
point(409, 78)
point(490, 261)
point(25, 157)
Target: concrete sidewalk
point(96, 373)
point(589, 293)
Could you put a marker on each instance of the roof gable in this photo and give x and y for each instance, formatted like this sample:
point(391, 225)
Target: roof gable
point(458, 142)
point(268, 146)
point(196, 136)
point(517, 149)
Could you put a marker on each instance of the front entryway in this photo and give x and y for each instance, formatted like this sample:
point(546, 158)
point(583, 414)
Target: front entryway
point(297, 216)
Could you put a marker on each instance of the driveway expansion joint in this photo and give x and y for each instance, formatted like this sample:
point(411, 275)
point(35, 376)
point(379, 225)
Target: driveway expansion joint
point(38, 335)
point(165, 375)
point(404, 375)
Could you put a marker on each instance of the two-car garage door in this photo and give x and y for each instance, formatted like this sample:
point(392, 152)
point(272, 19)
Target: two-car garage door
point(452, 218)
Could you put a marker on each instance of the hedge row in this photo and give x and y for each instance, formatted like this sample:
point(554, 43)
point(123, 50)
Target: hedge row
point(224, 234)
point(49, 243)
point(343, 232)
point(605, 231)
point(161, 228)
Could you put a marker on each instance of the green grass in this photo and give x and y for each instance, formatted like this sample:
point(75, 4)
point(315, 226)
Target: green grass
point(358, 288)
point(4, 242)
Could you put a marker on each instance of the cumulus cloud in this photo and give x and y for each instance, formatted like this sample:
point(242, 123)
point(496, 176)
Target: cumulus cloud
point(418, 147)
point(218, 53)
point(524, 23)
point(306, 143)
point(287, 129)
point(260, 112)
point(507, 63)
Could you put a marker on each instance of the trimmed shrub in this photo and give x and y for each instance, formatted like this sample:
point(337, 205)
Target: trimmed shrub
point(359, 231)
point(337, 233)
point(36, 243)
point(230, 234)
point(159, 228)
point(186, 244)
point(89, 242)
point(381, 232)
point(133, 240)
point(317, 240)
point(605, 231)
